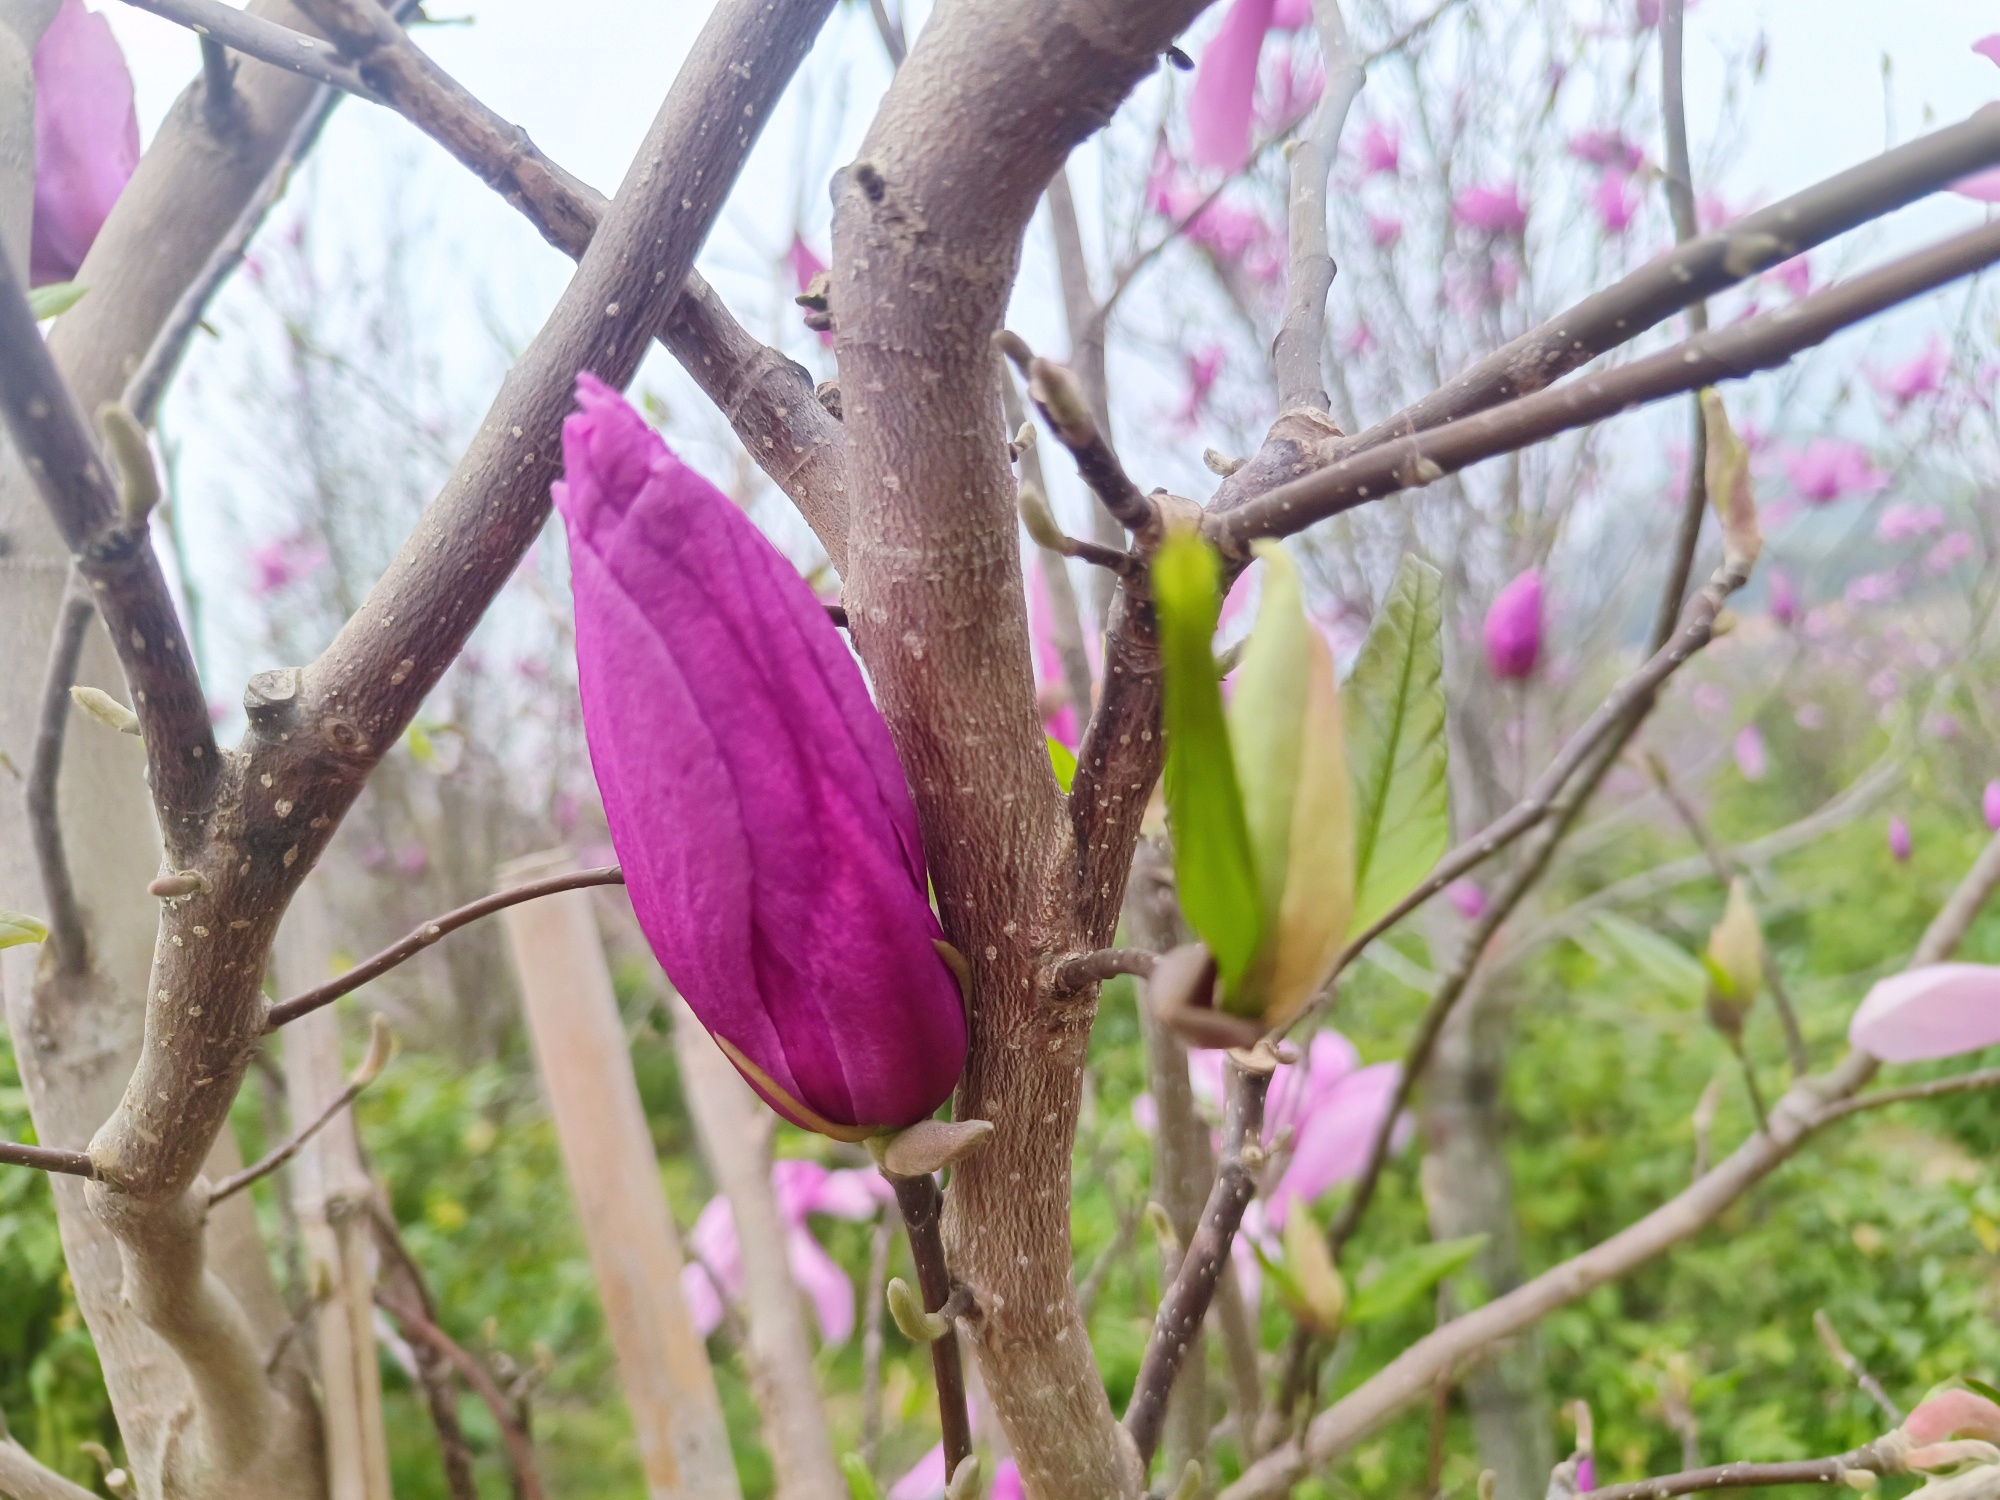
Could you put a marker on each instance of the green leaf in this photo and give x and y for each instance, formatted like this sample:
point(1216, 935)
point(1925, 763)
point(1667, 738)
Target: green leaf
point(1063, 759)
point(18, 927)
point(1393, 707)
point(1981, 1387)
point(1410, 1275)
point(1667, 964)
point(1212, 861)
point(55, 298)
point(1267, 720)
point(860, 1483)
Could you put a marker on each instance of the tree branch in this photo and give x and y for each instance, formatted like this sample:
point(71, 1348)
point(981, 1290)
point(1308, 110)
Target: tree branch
point(413, 943)
point(1746, 1476)
point(23, 1477)
point(1185, 1304)
point(47, 1159)
point(378, 1054)
point(1807, 1107)
point(68, 942)
point(1084, 969)
point(267, 41)
point(1731, 353)
point(922, 1207)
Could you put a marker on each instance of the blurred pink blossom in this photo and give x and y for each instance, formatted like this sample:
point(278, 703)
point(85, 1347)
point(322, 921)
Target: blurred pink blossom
point(704, 1302)
point(1333, 1107)
point(1794, 275)
point(1751, 759)
point(1828, 468)
point(925, 1479)
point(1920, 375)
point(1468, 899)
point(1809, 716)
point(412, 860)
point(1950, 552)
point(1646, 13)
point(1204, 368)
point(1494, 210)
point(1606, 148)
point(1384, 230)
point(1983, 186)
point(1381, 149)
point(1885, 685)
point(1225, 84)
point(1616, 203)
point(1899, 837)
point(1784, 598)
point(1938, 1011)
point(802, 1188)
point(1586, 1473)
point(86, 139)
point(1875, 588)
point(1059, 715)
point(1292, 90)
point(1007, 1482)
point(1942, 726)
point(1989, 805)
point(1901, 523)
point(1514, 627)
point(1710, 701)
point(281, 562)
point(1239, 236)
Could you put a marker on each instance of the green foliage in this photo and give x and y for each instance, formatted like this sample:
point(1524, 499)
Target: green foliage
point(1217, 872)
point(1062, 760)
point(1393, 710)
point(54, 299)
point(1398, 1285)
point(17, 928)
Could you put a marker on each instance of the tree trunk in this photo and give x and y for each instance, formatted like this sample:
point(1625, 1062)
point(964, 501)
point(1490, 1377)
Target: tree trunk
point(1468, 1189)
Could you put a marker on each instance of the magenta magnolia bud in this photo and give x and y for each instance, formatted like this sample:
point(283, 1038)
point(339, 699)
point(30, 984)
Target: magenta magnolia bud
point(1990, 805)
point(86, 138)
point(1514, 627)
point(1899, 837)
point(753, 794)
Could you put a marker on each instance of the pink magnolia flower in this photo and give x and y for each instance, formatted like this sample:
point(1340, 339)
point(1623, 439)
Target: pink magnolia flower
point(1751, 758)
point(1225, 84)
point(1514, 627)
point(281, 562)
point(1940, 1010)
point(1059, 715)
point(1646, 13)
point(1794, 275)
point(1007, 1482)
point(1989, 805)
point(1921, 375)
point(1949, 552)
point(1333, 1107)
point(1983, 186)
point(86, 138)
point(1381, 150)
point(1204, 369)
point(1495, 210)
point(1616, 202)
point(769, 841)
point(1899, 838)
point(1784, 598)
point(1901, 523)
point(1468, 898)
point(1586, 1473)
point(1875, 588)
point(802, 1188)
point(1606, 148)
point(1828, 468)
point(1384, 230)
point(1239, 236)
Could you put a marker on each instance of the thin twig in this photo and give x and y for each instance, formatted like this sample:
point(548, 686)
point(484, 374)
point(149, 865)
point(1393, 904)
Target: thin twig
point(1937, 1088)
point(1745, 1476)
point(1727, 870)
point(415, 942)
point(1838, 1352)
point(267, 41)
point(68, 941)
point(1731, 353)
point(47, 1159)
point(1060, 398)
point(406, 1277)
point(371, 1066)
point(1184, 1305)
point(520, 1448)
point(922, 1206)
point(890, 29)
point(1073, 974)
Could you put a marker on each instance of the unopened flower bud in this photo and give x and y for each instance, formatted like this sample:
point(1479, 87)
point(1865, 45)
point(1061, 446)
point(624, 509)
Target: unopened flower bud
point(106, 709)
point(1514, 628)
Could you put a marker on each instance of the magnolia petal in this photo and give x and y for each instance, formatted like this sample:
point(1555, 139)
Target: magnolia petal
point(826, 1286)
point(1225, 86)
point(86, 138)
point(851, 1193)
point(704, 1302)
point(1953, 1413)
point(1333, 1142)
point(1941, 1010)
point(925, 1479)
point(768, 836)
point(714, 1242)
point(1007, 1482)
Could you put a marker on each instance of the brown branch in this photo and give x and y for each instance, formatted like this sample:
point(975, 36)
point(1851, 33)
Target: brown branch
point(405, 1281)
point(1726, 870)
point(68, 942)
point(1829, 1338)
point(922, 1206)
point(520, 1448)
point(47, 1159)
point(1701, 268)
point(1184, 1306)
point(267, 41)
point(413, 943)
point(1747, 1476)
point(1067, 626)
point(1731, 353)
point(114, 554)
point(1084, 969)
point(766, 397)
point(1061, 399)
point(1936, 1088)
point(1807, 1107)
point(371, 1066)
